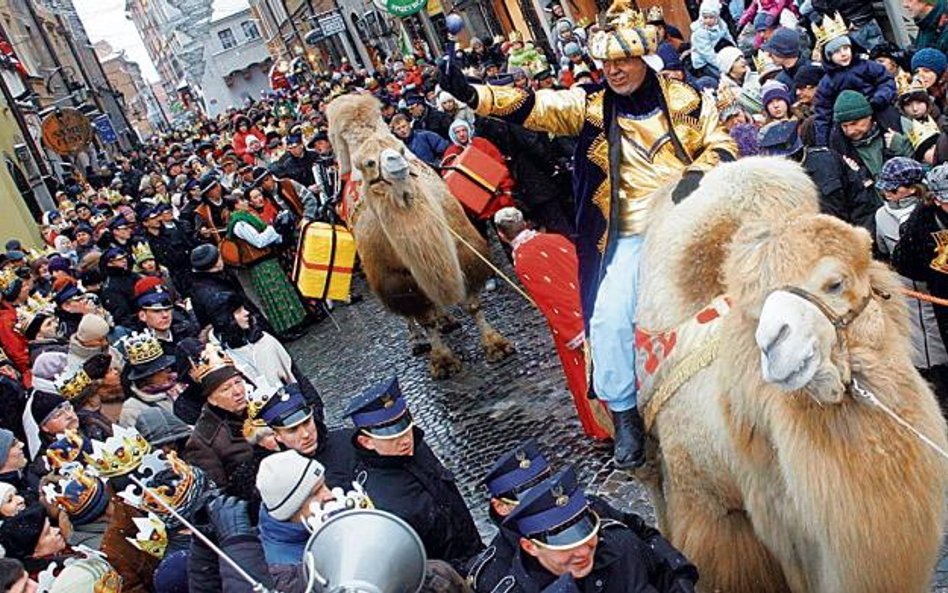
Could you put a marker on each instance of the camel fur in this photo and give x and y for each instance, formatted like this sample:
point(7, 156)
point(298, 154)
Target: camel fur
point(788, 490)
point(403, 227)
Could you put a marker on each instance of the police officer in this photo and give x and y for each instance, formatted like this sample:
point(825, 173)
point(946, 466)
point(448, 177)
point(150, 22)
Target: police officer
point(298, 424)
point(560, 533)
point(297, 162)
point(403, 476)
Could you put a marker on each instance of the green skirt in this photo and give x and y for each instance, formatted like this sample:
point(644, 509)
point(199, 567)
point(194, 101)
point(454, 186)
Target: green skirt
point(281, 303)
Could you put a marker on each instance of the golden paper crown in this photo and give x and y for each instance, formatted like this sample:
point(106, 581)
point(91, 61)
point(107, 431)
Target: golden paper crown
point(142, 347)
point(151, 537)
point(922, 130)
point(623, 33)
point(832, 28)
point(74, 489)
point(120, 454)
point(725, 97)
point(65, 450)
point(906, 84)
point(258, 398)
point(71, 384)
point(764, 64)
point(34, 305)
point(211, 359)
point(655, 14)
point(7, 278)
point(87, 561)
point(142, 252)
point(166, 477)
point(515, 37)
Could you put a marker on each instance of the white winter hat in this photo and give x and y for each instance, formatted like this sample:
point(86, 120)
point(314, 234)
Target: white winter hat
point(286, 480)
point(710, 7)
point(726, 58)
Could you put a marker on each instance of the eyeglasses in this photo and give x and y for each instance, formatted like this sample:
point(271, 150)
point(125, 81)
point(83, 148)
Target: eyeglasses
point(63, 409)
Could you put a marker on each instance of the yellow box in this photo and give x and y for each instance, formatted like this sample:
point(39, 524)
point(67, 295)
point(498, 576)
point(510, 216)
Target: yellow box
point(324, 261)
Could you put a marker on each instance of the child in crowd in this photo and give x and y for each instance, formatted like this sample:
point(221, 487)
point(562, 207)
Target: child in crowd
point(708, 35)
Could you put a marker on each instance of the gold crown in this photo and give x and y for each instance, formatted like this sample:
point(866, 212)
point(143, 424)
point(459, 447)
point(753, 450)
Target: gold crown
point(119, 454)
point(764, 64)
point(89, 562)
point(167, 478)
point(622, 33)
point(515, 37)
point(922, 130)
point(211, 359)
point(7, 278)
point(141, 252)
point(906, 84)
point(654, 14)
point(832, 28)
point(260, 396)
point(142, 347)
point(27, 312)
point(66, 449)
point(151, 537)
point(72, 384)
point(73, 489)
point(725, 97)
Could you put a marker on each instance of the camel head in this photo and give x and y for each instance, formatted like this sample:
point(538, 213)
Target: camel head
point(383, 161)
point(807, 282)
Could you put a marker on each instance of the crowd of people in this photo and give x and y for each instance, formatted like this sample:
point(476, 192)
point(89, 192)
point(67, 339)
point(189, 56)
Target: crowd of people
point(144, 365)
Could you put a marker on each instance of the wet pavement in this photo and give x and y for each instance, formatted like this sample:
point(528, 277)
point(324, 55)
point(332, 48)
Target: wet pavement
point(482, 412)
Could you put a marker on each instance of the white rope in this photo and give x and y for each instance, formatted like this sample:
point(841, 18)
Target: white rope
point(871, 397)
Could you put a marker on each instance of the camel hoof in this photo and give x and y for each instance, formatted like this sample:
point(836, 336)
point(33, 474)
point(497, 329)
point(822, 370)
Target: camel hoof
point(419, 348)
point(443, 364)
point(449, 325)
point(497, 347)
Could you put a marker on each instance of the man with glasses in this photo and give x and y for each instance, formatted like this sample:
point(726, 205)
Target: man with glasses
point(560, 533)
point(404, 477)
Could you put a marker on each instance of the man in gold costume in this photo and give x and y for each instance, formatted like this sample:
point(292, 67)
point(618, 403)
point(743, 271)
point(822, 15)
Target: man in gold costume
point(636, 132)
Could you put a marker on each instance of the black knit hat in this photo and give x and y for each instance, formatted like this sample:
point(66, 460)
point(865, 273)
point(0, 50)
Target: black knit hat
point(20, 534)
point(43, 405)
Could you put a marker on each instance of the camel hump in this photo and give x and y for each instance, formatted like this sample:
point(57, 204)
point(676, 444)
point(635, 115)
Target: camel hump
point(761, 187)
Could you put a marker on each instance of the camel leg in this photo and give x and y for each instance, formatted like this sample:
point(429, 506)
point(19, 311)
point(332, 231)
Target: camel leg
point(495, 345)
point(442, 362)
point(446, 322)
point(417, 338)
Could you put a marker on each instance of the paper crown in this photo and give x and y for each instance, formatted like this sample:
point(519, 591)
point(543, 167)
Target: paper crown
point(725, 98)
point(7, 278)
point(622, 34)
point(142, 347)
point(764, 64)
point(211, 359)
point(91, 562)
point(27, 312)
point(654, 14)
point(515, 37)
point(353, 500)
point(72, 384)
point(167, 478)
point(142, 252)
point(831, 28)
point(66, 449)
point(151, 537)
point(258, 398)
point(922, 130)
point(76, 490)
point(906, 84)
point(119, 454)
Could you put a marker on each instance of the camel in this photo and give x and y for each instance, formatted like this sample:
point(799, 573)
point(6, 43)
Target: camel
point(764, 468)
point(402, 218)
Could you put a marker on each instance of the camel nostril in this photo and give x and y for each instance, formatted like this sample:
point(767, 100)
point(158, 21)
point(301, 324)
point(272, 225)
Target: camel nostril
point(370, 163)
point(782, 334)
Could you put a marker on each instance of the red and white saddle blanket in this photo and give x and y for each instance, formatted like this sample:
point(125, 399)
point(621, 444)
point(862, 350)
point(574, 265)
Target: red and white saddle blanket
point(666, 360)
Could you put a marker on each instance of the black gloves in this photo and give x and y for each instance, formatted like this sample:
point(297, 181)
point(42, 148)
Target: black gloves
point(452, 79)
point(689, 183)
point(229, 517)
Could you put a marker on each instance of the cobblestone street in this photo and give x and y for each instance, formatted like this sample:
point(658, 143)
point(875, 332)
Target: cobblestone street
point(480, 413)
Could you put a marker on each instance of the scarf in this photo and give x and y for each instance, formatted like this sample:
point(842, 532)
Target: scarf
point(243, 216)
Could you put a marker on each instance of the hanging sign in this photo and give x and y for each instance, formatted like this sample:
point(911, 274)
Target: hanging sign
point(103, 125)
point(67, 131)
point(401, 8)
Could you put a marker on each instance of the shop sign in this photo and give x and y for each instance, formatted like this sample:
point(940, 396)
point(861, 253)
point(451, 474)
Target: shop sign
point(66, 131)
point(401, 8)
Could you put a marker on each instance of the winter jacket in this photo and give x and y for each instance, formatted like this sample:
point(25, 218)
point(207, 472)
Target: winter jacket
point(771, 7)
point(867, 78)
point(433, 120)
point(172, 249)
point(928, 349)
point(917, 250)
point(844, 193)
point(240, 140)
point(427, 146)
point(933, 29)
point(118, 296)
point(704, 43)
point(870, 152)
point(133, 407)
point(13, 343)
point(218, 446)
point(420, 490)
point(134, 566)
point(299, 169)
point(210, 290)
point(283, 541)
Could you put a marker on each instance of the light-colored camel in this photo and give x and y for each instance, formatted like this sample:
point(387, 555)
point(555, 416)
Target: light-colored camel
point(768, 472)
point(402, 221)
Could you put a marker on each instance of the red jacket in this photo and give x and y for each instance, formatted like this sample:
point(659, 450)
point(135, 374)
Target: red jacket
point(14, 344)
point(240, 140)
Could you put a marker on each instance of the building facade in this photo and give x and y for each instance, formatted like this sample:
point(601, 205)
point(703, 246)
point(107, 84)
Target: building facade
point(126, 78)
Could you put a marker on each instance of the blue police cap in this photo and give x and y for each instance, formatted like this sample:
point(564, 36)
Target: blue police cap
point(286, 408)
point(113, 253)
point(118, 221)
point(68, 292)
point(294, 139)
point(555, 513)
point(516, 471)
point(381, 410)
point(156, 299)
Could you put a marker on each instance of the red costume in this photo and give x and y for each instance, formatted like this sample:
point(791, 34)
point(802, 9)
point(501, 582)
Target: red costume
point(547, 266)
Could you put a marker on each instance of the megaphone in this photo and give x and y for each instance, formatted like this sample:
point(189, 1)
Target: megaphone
point(365, 551)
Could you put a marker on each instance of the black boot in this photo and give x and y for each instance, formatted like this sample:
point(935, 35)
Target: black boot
point(629, 449)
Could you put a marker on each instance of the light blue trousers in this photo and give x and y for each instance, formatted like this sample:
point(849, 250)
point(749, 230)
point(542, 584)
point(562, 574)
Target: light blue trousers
point(612, 327)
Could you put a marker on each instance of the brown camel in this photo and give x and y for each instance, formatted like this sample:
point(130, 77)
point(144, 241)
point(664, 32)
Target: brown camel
point(418, 249)
point(769, 471)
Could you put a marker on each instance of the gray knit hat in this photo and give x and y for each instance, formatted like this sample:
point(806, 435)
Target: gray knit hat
point(285, 480)
point(937, 182)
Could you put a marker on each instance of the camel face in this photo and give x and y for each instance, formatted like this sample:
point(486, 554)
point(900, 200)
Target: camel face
point(394, 165)
point(797, 340)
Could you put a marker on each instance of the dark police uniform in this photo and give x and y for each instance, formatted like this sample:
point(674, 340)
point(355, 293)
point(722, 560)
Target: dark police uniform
point(417, 487)
point(556, 513)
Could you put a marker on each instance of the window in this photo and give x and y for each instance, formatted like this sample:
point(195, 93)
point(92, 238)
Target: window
point(227, 38)
point(250, 29)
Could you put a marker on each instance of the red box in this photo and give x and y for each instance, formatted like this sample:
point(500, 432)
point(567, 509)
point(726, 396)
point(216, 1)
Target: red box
point(473, 177)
